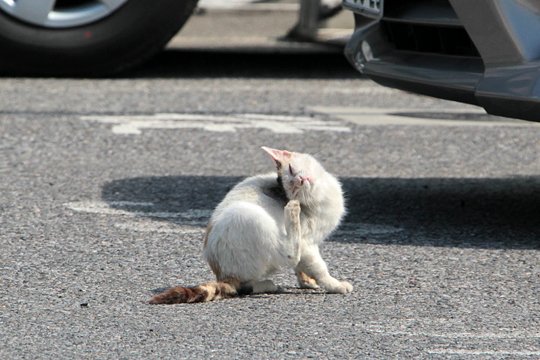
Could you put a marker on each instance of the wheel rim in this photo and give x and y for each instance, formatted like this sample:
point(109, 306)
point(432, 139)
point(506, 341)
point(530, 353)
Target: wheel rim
point(60, 13)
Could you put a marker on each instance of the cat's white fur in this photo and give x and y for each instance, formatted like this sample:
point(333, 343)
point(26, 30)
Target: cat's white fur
point(252, 233)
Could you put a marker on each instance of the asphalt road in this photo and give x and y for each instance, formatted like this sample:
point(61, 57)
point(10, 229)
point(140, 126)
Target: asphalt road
point(106, 185)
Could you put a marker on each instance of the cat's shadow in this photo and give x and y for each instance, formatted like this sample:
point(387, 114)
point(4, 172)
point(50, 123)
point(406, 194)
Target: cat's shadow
point(283, 290)
point(486, 213)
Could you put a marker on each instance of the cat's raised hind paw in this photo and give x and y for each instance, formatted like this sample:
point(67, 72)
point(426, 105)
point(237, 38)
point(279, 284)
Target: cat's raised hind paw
point(292, 209)
point(294, 232)
point(292, 219)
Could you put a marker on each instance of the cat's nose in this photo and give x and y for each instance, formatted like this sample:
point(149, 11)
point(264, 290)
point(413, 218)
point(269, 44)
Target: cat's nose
point(303, 179)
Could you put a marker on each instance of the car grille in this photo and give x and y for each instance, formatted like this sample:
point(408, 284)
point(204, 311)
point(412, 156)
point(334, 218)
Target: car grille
point(426, 26)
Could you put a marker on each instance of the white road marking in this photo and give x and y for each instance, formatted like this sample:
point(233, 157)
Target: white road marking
point(196, 228)
point(104, 208)
point(457, 335)
point(281, 124)
point(482, 352)
point(368, 90)
point(474, 340)
point(330, 89)
point(468, 115)
point(364, 229)
point(193, 220)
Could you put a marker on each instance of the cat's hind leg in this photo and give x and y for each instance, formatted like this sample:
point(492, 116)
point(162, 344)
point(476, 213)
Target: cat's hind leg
point(244, 243)
point(314, 266)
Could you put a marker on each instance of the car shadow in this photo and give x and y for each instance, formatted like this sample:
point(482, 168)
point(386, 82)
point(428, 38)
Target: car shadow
point(179, 63)
point(496, 213)
point(229, 63)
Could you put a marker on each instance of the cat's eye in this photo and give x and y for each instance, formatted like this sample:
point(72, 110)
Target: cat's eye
point(291, 170)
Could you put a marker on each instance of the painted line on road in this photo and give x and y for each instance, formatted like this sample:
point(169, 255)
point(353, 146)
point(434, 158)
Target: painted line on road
point(281, 124)
point(467, 116)
point(193, 220)
point(458, 335)
point(104, 208)
point(370, 90)
point(365, 229)
point(348, 88)
point(482, 352)
point(195, 228)
point(467, 338)
point(360, 229)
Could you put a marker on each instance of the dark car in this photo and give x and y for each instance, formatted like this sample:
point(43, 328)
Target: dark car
point(481, 52)
point(85, 37)
point(104, 37)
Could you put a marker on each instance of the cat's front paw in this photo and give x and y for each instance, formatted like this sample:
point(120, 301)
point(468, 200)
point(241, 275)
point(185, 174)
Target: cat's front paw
point(341, 287)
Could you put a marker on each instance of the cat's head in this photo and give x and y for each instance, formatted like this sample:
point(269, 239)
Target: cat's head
point(299, 173)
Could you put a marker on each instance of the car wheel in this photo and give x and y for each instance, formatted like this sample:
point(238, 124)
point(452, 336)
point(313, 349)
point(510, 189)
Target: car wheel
point(85, 37)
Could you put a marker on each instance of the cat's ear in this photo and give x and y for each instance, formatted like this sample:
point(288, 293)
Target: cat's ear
point(279, 156)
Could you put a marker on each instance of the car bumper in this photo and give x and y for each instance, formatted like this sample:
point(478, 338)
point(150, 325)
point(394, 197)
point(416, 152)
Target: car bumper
point(482, 52)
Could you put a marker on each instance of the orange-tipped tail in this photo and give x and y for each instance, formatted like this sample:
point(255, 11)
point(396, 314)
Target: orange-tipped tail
point(201, 293)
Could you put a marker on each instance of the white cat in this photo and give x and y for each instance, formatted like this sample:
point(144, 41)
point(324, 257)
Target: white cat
point(265, 223)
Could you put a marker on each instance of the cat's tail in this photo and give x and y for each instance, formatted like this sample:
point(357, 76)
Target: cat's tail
point(214, 290)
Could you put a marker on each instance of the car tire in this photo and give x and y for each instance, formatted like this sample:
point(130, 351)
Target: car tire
point(124, 38)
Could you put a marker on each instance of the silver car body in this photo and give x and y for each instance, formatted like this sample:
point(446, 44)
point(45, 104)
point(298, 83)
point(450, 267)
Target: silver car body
point(483, 52)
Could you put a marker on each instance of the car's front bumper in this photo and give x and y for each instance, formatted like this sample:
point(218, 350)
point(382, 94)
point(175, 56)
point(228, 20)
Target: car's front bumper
point(483, 52)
